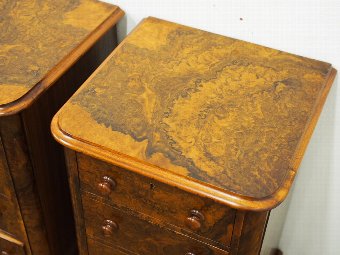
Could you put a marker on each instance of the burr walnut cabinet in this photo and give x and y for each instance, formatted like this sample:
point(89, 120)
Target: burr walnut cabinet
point(182, 141)
point(47, 50)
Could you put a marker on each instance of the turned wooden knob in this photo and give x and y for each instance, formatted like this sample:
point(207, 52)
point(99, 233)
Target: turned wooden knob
point(109, 227)
point(107, 185)
point(195, 220)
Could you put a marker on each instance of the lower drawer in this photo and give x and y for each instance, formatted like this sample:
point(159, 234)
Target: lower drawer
point(97, 248)
point(119, 228)
point(10, 246)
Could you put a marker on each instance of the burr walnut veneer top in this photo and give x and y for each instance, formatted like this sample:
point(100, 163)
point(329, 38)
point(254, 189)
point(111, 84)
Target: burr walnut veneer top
point(212, 115)
point(41, 39)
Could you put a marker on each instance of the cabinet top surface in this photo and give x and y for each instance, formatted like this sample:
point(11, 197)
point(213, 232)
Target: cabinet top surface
point(214, 115)
point(35, 35)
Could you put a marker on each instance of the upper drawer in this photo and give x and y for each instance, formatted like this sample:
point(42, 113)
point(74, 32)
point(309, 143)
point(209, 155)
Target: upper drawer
point(195, 215)
point(118, 228)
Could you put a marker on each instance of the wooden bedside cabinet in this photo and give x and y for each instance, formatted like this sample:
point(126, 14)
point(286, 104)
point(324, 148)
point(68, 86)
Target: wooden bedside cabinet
point(47, 50)
point(182, 141)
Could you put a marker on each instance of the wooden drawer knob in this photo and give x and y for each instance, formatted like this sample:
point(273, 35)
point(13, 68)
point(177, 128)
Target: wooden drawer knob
point(195, 220)
point(107, 185)
point(109, 227)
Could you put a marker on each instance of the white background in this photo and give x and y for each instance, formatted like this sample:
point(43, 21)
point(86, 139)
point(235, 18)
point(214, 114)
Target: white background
point(309, 28)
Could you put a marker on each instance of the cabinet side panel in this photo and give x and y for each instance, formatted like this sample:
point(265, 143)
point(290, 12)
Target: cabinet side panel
point(5, 180)
point(10, 216)
point(254, 226)
point(47, 155)
point(19, 164)
point(73, 178)
point(274, 227)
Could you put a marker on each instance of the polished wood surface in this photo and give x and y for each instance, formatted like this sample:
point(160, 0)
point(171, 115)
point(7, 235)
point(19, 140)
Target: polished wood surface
point(139, 236)
point(212, 115)
point(40, 40)
point(34, 194)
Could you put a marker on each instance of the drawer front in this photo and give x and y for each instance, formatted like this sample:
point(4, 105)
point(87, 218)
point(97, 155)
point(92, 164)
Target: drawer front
point(10, 246)
point(8, 217)
point(195, 215)
point(97, 248)
point(113, 226)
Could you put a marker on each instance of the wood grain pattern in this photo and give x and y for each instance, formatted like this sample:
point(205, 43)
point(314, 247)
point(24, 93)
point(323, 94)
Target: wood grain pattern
point(153, 239)
point(209, 114)
point(160, 201)
point(41, 39)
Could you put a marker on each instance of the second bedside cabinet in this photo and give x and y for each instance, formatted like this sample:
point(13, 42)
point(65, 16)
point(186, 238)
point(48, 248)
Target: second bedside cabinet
point(47, 50)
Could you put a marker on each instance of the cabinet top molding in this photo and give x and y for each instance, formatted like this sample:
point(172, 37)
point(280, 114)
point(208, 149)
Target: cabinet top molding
point(40, 40)
point(212, 115)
